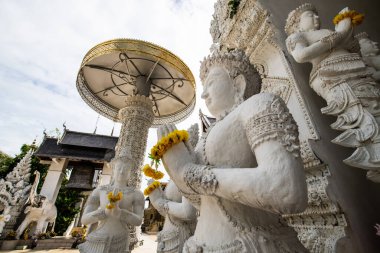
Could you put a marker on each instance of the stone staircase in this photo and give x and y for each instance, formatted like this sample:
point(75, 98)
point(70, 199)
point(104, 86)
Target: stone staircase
point(58, 242)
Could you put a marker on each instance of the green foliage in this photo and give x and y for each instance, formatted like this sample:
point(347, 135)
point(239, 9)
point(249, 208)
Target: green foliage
point(65, 203)
point(233, 6)
point(5, 165)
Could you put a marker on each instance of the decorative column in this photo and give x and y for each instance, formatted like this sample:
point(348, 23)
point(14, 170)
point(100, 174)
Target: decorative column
point(136, 118)
point(53, 179)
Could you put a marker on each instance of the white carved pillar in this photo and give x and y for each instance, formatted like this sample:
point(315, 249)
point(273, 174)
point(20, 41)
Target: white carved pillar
point(53, 179)
point(136, 118)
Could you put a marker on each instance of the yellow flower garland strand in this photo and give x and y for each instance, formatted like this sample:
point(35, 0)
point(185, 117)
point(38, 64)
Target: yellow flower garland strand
point(150, 172)
point(153, 186)
point(156, 154)
point(356, 17)
point(113, 199)
point(166, 143)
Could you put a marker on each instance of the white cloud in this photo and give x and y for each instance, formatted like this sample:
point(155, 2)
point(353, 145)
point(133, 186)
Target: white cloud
point(43, 44)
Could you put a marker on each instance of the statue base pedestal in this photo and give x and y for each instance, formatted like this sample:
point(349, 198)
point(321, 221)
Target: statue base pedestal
point(9, 244)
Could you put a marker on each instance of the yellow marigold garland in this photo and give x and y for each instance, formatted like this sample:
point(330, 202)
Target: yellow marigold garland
point(166, 143)
point(156, 154)
point(151, 188)
point(113, 199)
point(356, 17)
point(150, 172)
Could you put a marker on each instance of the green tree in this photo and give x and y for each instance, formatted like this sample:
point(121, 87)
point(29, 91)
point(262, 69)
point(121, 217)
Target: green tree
point(65, 203)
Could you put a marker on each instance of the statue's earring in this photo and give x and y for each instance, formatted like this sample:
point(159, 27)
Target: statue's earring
point(239, 85)
point(238, 99)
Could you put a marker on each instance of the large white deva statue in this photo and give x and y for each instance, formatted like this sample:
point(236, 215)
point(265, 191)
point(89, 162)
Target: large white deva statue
point(342, 79)
point(115, 206)
point(180, 218)
point(248, 169)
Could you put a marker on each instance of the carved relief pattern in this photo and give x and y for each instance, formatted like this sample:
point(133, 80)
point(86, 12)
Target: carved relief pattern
point(308, 157)
point(274, 123)
point(322, 223)
point(277, 85)
point(191, 246)
point(136, 117)
point(201, 180)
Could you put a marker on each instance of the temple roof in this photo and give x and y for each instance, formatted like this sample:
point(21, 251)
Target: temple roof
point(78, 146)
point(88, 140)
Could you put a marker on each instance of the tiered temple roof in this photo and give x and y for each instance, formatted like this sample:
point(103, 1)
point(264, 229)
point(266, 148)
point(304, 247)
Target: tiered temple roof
point(78, 146)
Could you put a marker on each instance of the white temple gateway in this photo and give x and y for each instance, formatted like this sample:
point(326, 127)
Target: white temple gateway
point(290, 161)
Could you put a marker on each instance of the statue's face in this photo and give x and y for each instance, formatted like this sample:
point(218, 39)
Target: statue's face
point(120, 173)
point(218, 91)
point(309, 21)
point(368, 47)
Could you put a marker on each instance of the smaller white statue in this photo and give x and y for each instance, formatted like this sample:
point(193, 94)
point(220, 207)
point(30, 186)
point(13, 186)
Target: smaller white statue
point(43, 214)
point(115, 206)
point(370, 52)
point(342, 79)
point(180, 218)
point(40, 209)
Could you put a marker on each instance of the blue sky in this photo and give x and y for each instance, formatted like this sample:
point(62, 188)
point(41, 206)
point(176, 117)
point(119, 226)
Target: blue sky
point(43, 43)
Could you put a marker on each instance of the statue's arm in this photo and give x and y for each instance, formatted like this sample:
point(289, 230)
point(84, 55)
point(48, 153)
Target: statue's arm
point(182, 210)
point(92, 213)
point(134, 217)
point(278, 183)
point(159, 201)
point(302, 52)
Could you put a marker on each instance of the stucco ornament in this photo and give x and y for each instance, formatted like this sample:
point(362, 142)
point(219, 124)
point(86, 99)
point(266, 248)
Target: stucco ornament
point(247, 169)
point(342, 79)
point(14, 191)
point(369, 50)
point(113, 216)
point(180, 218)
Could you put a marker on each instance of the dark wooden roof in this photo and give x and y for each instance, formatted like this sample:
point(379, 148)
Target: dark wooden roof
point(88, 140)
point(76, 145)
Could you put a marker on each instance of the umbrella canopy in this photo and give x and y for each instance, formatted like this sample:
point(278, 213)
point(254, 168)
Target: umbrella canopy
point(118, 68)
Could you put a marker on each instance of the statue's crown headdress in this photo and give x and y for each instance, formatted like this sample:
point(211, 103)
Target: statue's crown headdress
point(293, 19)
point(124, 157)
point(235, 62)
point(362, 35)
